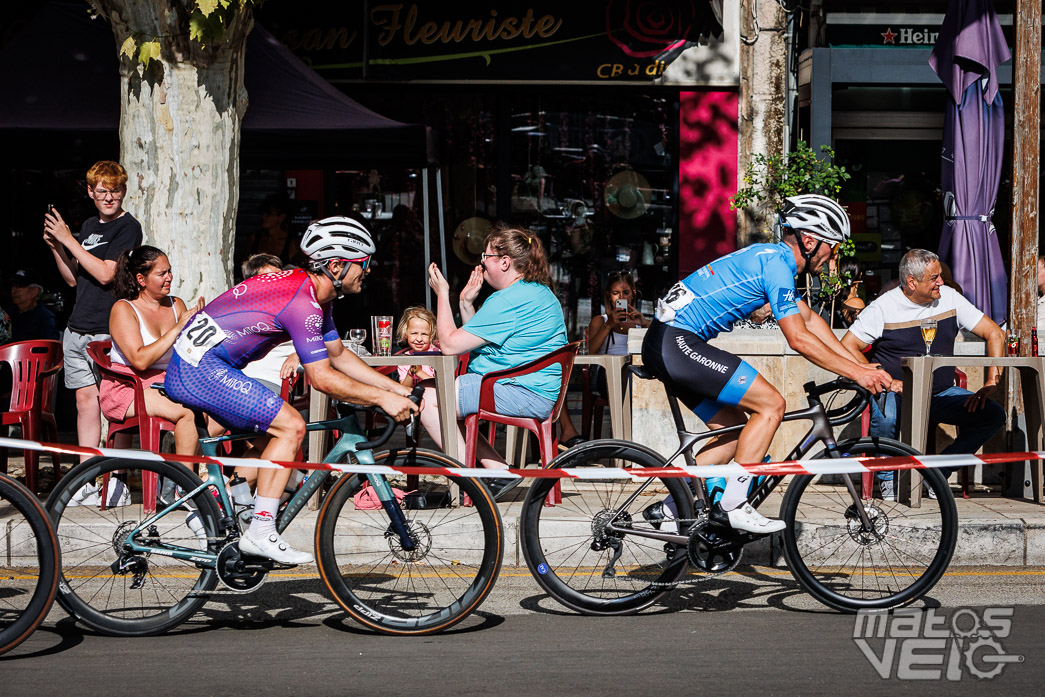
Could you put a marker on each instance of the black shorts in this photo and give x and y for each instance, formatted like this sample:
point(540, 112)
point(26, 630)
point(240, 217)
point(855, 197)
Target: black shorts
point(705, 378)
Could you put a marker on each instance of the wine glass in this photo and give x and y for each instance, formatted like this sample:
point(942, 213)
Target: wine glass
point(356, 337)
point(928, 333)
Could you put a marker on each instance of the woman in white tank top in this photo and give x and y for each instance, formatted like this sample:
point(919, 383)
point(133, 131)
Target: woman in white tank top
point(144, 323)
point(607, 333)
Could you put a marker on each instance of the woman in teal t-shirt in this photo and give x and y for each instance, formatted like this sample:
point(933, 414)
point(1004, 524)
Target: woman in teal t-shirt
point(522, 320)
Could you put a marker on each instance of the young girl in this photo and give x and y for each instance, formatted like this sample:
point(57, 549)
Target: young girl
point(416, 329)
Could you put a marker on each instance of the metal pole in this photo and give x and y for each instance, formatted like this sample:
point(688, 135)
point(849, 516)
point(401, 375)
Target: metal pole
point(439, 208)
point(428, 234)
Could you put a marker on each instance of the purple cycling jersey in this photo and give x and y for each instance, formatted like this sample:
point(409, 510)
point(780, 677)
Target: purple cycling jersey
point(264, 311)
point(254, 316)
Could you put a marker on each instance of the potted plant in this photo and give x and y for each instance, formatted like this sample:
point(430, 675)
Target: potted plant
point(769, 179)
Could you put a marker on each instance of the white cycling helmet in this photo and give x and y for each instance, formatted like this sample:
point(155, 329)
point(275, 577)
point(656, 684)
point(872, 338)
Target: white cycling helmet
point(336, 238)
point(815, 215)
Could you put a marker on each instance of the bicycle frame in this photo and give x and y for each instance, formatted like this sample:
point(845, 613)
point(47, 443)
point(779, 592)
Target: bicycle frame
point(820, 431)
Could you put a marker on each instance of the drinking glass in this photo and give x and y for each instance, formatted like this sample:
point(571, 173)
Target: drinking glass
point(356, 335)
point(381, 334)
point(928, 333)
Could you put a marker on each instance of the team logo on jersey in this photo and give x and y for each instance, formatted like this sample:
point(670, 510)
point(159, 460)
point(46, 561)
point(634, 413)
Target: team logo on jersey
point(313, 322)
point(239, 290)
point(786, 299)
point(256, 329)
point(705, 272)
point(221, 375)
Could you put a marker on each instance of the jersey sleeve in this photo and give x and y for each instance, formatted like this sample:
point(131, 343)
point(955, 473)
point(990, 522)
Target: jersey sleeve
point(304, 321)
point(780, 289)
point(330, 332)
point(494, 322)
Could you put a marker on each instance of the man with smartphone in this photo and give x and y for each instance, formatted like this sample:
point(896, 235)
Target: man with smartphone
point(88, 263)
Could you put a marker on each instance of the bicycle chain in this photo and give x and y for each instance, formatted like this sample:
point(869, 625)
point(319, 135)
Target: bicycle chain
point(681, 549)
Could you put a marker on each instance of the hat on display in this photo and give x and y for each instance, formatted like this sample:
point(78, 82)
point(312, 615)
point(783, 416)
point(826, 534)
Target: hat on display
point(469, 239)
point(627, 194)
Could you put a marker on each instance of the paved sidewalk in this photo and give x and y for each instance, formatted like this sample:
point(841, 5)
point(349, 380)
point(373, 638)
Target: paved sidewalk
point(993, 530)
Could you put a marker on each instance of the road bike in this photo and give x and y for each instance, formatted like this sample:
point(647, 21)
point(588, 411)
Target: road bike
point(413, 565)
point(604, 551)
point(29, 562)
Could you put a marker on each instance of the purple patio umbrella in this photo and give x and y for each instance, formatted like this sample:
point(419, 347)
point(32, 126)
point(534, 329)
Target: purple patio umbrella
point(969, 49)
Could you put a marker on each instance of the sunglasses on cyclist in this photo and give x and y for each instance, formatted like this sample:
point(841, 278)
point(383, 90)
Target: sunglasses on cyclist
point(364, 262)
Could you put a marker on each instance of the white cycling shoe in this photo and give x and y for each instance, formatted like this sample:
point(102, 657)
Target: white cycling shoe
point(748, 519)
point(273, 547)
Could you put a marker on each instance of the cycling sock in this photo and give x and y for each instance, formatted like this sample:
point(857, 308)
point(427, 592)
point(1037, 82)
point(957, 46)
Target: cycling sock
point(264, 520)
point(735, 494)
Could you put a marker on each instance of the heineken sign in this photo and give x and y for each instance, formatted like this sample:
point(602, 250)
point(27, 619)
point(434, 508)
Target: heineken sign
point(881, 30)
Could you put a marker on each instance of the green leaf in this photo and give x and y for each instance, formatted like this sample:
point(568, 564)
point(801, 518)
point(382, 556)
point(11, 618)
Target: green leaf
point(127, 49)
point(206, 7)
point(150, 50)
point(197, 27)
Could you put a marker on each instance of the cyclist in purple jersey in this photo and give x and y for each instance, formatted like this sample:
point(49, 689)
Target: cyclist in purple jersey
point(244, 323)
point(724, 390)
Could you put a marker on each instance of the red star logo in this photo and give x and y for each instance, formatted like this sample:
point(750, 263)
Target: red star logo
point(889, 37)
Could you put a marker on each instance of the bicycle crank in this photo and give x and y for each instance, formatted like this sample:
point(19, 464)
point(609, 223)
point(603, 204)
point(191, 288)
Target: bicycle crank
point(238, 573)
point(714, 548)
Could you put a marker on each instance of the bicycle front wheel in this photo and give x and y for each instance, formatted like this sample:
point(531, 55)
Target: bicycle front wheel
point(455, 559)
point(850, 567)
point(573, 557)
point(29, 561)
point(111, 588)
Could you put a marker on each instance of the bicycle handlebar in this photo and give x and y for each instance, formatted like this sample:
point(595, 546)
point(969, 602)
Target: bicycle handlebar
point(848, 411)
point(382, 438)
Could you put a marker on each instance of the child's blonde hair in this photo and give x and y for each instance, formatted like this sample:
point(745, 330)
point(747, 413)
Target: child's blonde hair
point(415, 312)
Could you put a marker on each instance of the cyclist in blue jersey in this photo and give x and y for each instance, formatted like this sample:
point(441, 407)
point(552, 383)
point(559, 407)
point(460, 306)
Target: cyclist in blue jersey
point(244, 323)
point(722, 389)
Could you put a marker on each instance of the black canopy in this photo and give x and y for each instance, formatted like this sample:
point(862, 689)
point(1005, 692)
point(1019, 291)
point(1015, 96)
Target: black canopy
point(63, 75)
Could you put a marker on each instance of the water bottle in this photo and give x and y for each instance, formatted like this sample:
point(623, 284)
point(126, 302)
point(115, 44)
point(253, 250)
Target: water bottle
point(242, 501)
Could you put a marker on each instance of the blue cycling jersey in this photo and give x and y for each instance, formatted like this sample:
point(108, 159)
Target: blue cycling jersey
point(734, 286)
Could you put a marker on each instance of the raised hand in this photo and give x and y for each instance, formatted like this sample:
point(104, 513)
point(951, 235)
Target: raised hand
point(471, 289)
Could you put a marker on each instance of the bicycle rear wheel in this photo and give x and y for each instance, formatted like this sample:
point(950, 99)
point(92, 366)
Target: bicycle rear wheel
point(572, 557)
point(29, 561)
point(118, 592)
point(428, 589)
point(849, 568)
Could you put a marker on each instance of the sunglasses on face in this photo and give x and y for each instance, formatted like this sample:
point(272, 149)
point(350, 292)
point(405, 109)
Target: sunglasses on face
point(363, 263)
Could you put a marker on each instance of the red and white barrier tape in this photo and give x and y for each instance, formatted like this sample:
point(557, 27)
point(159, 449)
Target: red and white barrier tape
point(839, 465)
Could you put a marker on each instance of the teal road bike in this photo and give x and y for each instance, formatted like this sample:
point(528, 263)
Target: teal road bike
point(415, 565)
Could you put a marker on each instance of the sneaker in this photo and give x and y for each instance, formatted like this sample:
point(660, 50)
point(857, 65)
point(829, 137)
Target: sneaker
point(660, 514)
point(88, 495)
point(500, 487)
point(748, 519)
point(116, 494)
point(888, 487)
point(196, 526)
point(931, 493)
point(273, 547)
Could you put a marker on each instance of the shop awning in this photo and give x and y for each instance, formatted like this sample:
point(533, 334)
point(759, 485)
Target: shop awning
point(71, 83)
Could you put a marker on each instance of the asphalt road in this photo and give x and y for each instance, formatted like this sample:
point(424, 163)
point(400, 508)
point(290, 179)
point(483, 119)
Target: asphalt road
point(751, 631)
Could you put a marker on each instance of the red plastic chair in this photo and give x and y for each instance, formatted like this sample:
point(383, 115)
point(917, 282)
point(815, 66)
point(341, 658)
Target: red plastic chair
point(150, 428)
point(34, 382)
point(961, 380)
point(544, 430)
